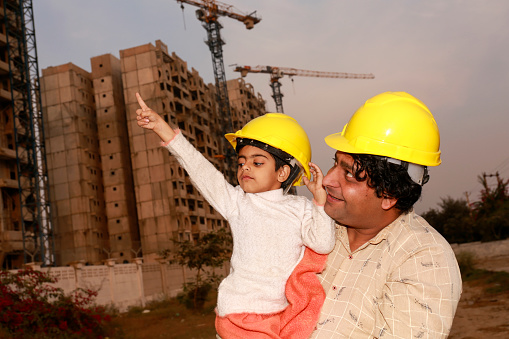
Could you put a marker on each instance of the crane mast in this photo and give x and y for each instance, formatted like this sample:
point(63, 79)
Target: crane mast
point(208, 13)
point(277, 73)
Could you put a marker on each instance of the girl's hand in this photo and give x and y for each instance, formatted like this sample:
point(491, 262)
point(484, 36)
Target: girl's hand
point(149, 119)
point(315, 185)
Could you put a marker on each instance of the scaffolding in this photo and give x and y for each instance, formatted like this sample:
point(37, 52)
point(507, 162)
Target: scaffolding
point(32, 174)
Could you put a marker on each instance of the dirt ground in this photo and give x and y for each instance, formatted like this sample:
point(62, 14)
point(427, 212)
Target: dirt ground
point(479, 314)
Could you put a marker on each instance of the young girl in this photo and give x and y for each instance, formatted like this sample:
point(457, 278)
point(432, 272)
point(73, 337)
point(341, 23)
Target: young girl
point(270, 229)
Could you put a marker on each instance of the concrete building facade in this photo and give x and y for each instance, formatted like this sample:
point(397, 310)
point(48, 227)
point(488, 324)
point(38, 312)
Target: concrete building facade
point(23, 180)
point(11, 239)
point(74, 164)
point(121, 216)
point(115, 192)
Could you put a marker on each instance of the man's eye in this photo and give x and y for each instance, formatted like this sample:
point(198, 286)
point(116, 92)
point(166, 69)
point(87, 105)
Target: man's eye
point(258, 163)
point(349, 174)
point(241, 164)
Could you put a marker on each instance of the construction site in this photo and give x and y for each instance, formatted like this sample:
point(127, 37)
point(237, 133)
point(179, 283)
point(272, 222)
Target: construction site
point(80, 182)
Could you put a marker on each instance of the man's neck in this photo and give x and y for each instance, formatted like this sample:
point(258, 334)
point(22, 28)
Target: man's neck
point(359, 236)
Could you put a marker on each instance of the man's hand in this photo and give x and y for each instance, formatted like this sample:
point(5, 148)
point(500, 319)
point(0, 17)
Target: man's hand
point(315, 185)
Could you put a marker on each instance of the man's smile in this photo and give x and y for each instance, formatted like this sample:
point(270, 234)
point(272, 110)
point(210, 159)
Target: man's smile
point(331, 197)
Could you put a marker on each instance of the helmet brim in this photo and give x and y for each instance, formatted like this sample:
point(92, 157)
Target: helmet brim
point(363, 145)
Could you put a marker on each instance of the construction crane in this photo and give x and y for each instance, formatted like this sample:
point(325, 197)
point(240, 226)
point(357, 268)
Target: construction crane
point(32, 174)
point(277, 73)
point(208, 13)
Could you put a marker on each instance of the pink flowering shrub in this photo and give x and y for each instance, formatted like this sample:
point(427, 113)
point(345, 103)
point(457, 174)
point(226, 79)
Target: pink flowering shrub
point(31, 308)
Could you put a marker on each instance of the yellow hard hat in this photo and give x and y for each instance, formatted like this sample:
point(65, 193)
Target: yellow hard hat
point(280, 131)
point(391, 124)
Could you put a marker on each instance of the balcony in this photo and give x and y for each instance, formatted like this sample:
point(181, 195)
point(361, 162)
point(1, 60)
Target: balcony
point(12, 241)
point(8, 183)
point(7, 154)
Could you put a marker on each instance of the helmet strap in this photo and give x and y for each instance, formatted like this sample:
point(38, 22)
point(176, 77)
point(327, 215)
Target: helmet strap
point(418, 173)
point(295, 173)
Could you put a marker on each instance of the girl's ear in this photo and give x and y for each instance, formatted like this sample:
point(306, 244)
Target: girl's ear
point(283, 173)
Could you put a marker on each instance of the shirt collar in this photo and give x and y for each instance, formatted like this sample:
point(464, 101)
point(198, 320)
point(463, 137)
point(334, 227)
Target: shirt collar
point(342, 235)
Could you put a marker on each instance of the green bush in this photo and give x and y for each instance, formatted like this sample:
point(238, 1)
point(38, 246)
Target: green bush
point(193, 296)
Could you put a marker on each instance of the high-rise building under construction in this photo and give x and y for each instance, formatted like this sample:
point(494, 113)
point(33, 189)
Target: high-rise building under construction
point(26, 233)
point(115, 193)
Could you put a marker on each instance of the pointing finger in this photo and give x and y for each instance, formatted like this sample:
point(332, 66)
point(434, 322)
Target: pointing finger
point(142, 103)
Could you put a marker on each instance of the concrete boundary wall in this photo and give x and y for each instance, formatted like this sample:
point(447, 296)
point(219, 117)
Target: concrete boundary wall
point(135, 284)
point(483, 250)
point(122, 285)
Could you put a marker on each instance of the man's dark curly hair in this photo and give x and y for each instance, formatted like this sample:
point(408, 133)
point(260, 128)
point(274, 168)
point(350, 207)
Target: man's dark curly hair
point(387, 179)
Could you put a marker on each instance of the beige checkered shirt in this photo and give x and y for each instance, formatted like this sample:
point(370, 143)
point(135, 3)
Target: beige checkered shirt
point(404, 283)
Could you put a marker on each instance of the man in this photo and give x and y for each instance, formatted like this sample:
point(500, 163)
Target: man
point(391, 275)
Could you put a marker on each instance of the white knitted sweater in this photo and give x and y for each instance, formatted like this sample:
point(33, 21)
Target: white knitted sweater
point(269, 232)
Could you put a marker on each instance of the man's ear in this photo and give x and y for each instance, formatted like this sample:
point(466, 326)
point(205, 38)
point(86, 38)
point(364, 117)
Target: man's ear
point(283, 173)
point(388, 202)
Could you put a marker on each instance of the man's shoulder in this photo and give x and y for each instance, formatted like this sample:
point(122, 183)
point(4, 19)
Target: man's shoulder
point(413, 232)
point(416, 243)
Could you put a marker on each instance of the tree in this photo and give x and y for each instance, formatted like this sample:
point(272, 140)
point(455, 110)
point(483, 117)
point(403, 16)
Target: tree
point(209, 251)
point(488, 220)
point(453, 220)
point(491, 213)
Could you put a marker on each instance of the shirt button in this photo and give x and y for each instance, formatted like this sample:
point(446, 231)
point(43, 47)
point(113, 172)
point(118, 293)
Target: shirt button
point(350, 256)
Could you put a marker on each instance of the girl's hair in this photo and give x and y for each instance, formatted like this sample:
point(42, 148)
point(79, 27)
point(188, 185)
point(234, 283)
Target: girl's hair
point(387, 179)
point(281, 157)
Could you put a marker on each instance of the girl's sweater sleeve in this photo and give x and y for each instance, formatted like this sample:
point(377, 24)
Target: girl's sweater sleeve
point(318, 229)
point(205, 177)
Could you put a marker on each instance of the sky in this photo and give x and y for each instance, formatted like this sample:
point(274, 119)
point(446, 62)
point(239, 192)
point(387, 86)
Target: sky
point(453, 55)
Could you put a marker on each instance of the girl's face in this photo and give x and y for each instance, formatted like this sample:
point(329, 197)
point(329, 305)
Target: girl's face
point(256, 171)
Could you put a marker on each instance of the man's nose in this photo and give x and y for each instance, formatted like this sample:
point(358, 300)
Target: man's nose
point(331, 179)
